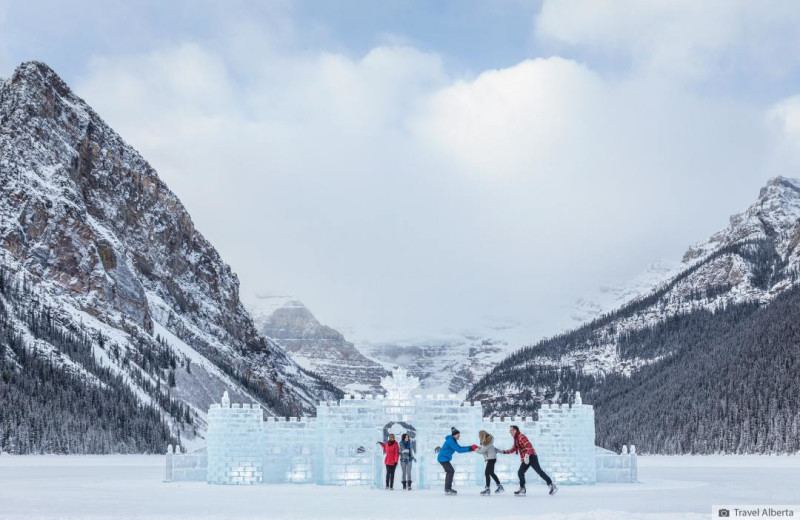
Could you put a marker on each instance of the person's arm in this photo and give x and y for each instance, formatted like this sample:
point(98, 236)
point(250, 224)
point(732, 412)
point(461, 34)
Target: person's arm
point(483, 449)
point(512, 449)
point(461, 449)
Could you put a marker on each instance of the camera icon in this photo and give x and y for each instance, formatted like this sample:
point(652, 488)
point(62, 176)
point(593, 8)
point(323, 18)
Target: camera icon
point(724, 513)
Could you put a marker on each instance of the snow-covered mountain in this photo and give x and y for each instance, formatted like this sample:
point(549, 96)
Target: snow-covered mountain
point(110, 254)
point(755, 258)
point(314, 346)
point(722, 294)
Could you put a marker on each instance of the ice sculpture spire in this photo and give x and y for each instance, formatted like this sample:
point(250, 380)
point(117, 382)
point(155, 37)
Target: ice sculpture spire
point(399, 385)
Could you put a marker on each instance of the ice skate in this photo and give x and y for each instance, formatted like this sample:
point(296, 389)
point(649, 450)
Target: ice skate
point(553, 489)
point(499, 489)
point(520, 492)
point(486, 492)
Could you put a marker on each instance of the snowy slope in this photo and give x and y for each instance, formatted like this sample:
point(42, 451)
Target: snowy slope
point(610, 297)
point(86, 219)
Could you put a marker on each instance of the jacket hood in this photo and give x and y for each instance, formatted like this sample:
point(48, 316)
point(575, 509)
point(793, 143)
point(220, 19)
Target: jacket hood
point(486, 437)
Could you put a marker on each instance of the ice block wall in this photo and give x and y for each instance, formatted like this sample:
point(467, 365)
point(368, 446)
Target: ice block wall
point(289, 449)
point(566, 438)
point(235, 440)
point(435, 415)
point(616, 468)
point(348, 433)
point(187, 467)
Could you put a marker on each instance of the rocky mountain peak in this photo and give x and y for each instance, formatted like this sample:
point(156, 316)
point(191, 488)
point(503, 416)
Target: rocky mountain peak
point(317, 347)
point(87, 218)
point(774, 216)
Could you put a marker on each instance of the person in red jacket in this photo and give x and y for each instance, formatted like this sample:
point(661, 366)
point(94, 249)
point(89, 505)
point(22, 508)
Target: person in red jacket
point(529, 460)
point(392, 451)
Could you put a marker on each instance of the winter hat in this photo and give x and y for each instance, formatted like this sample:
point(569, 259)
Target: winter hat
point(454, 431)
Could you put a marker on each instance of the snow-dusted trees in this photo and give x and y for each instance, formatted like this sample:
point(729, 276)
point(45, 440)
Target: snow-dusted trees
point(724, 381)
point(65, 401)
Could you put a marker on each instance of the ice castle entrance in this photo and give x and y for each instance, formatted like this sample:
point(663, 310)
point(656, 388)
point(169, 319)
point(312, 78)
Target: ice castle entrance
point(398, 428)
point(339, 445)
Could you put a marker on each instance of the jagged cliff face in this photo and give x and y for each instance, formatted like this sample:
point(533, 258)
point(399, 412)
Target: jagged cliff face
point(87, 218)
point(314, 346)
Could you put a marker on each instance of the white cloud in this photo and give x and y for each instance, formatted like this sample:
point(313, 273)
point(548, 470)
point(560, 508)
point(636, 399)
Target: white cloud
point(785, 118)
point(383, 190)
point(683, 38)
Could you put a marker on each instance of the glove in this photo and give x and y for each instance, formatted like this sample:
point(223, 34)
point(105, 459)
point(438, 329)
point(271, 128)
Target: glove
point(473, 447)
point(527, 459)
point(414, 459)
point(379, 442)
point(437, 450)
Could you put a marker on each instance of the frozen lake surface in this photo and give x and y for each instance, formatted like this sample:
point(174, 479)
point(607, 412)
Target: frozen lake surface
point(95, 487)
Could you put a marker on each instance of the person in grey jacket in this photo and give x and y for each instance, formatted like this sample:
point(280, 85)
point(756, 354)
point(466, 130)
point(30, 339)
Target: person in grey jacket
point(406, 458)
point(489, 452)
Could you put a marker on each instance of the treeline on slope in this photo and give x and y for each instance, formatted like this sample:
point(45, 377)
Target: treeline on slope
point(272, 398)
point(727, 385)
point(732, 389)
point(48, 406)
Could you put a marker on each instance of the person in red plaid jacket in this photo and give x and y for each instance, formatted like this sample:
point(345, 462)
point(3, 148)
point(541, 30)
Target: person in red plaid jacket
point(529, 460)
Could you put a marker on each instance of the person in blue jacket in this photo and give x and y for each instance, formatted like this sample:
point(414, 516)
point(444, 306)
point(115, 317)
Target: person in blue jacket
point(449, 447)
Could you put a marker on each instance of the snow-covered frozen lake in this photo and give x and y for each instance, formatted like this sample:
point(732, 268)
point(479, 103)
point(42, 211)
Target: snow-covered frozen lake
point(97, 487)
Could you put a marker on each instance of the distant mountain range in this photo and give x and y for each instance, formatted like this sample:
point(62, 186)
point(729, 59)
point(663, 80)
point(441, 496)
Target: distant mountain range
point(108, 287)
point(707, 361)
point(448, 362)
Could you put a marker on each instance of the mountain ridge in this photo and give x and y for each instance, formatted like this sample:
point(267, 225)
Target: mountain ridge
point(87, 219)
point(739, 274)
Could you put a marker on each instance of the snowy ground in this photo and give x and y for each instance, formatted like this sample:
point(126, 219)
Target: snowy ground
point(131, 487)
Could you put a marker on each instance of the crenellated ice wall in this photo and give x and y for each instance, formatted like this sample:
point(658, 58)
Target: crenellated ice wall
point(235, 443)
point(339, 446)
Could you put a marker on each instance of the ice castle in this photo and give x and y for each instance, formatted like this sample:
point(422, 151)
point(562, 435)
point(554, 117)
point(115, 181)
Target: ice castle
point(339, 445)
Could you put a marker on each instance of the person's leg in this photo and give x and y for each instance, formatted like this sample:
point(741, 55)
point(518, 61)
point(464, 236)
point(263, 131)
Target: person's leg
point(393, 467)
point(388, 473)
point(538, 469)
point(449, 472)
point(408, 467)
point(521, 474)
point(490, 468)
point(488, 471)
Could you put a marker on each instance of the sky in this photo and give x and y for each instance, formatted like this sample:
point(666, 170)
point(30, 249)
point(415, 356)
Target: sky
point(411, 167)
